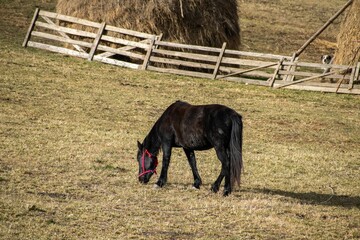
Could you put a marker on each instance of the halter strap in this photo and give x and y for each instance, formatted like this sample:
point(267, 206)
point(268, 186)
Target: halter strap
point(154, 158)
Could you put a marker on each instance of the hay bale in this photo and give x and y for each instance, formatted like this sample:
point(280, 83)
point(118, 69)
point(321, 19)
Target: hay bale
point(348, 40)
point(198, 22)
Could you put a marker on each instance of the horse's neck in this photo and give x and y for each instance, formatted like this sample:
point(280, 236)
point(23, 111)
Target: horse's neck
point(152, 142)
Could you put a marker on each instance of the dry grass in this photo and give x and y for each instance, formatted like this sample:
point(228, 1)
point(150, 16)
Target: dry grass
point(283, 26)
point(68, 131)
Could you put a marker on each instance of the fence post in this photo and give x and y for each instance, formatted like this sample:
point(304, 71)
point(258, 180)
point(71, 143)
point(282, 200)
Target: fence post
point(148, 54)
point(158, 38)
point(218, 63)
point(354, 76)
point(291, 68)
point(31, 27)
point(96, 41)
point(276, 72)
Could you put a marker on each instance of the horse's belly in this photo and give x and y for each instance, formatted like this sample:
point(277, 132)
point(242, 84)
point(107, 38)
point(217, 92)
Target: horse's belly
point(195, 142)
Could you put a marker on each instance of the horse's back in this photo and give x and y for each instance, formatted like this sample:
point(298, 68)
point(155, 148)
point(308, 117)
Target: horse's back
point(198, 126)
point(212, 110)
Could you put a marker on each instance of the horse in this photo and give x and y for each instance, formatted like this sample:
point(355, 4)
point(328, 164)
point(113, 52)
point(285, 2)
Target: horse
point(194, 128)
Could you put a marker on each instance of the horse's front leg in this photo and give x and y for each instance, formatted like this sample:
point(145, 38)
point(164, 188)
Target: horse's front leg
point(165, 165)
point(190, 154)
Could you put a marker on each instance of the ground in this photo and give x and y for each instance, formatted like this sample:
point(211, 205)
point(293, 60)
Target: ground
point(68, 132)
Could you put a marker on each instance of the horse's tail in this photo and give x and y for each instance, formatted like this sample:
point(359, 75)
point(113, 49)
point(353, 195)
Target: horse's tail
point(236, 163)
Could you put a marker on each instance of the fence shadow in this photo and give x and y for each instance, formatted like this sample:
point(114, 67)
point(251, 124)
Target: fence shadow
point(314, 198)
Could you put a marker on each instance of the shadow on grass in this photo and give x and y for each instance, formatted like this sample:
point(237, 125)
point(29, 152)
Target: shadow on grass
point(314, 198)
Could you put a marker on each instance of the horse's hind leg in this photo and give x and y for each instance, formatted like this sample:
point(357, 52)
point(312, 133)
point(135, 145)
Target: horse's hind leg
point(216, 185)
point(192, 161)
point(225, 172)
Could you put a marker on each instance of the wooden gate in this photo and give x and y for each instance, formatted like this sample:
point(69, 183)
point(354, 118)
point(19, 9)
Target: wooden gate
point(137, 50)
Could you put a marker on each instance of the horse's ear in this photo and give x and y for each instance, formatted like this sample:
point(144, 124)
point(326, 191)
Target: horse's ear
point(140, 146)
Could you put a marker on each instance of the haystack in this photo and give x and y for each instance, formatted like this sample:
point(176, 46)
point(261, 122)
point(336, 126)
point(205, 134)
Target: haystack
point(348, 40)
point(198, 22)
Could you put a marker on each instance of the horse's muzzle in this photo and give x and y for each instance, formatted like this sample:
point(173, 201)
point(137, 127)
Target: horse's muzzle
point(145, 178)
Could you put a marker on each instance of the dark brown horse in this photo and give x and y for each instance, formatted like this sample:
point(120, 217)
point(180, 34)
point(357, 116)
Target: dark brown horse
point(194, 128)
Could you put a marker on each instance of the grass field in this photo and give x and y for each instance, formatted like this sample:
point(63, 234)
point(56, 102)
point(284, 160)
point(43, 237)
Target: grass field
point(68, 132)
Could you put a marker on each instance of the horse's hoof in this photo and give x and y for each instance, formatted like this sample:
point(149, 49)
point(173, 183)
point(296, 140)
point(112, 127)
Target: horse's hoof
point(156, 186)
point(214, 189)
point(195, 188)
point(226, 193)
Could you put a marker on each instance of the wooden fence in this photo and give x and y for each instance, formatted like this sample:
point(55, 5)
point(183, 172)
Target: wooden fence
point(132, 49)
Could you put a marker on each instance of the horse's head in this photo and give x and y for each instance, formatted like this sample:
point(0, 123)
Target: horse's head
point(147, 163)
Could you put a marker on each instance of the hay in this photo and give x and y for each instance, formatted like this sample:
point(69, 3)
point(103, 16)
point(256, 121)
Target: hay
point(198, 22)
point(349, 37)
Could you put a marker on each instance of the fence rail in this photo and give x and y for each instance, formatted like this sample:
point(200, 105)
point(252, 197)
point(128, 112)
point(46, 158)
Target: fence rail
point(137, 50)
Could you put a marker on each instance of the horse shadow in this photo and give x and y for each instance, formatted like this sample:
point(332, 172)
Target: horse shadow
point(312, 198)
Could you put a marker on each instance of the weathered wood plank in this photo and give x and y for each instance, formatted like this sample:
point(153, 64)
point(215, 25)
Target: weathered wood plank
point(129, 32)
point(245, 62)
point(120, 52)
point(66, 30)
point(186, 46)
point(96, 41)
point(248, 70)
point(177, 62)
point(158, 38)
point(219, 60)
point(311, 74)
point(330, 89)
point(257, 55)
point(70, 19)
point(61, 50)
point(291, 68)
point(357, 73)
point(309, 78)
point(353, 75)
point(193, 56)
point(148, 54)
point(124, 48)
point(315, 65)
point(256, 74)
point(276, 72)
point(129, 43)
point(263, 73)
point(31, 27)
point(60, 39)
point(319, 84)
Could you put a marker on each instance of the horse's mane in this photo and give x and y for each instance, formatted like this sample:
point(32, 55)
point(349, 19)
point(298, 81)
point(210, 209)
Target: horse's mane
point(152, 141)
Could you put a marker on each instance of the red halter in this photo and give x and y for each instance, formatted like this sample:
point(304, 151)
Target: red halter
point(154, 158)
